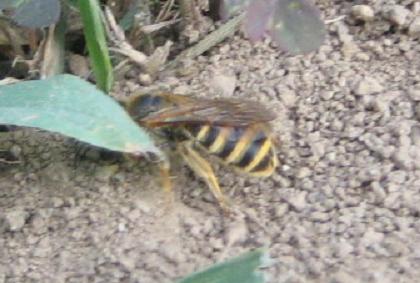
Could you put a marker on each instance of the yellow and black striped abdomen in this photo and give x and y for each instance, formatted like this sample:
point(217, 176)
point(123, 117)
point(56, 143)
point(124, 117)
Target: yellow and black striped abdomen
point(249, 149)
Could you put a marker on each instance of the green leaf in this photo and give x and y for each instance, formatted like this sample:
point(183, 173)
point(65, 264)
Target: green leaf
point(297, 26)
point(94, 31)
point(242, 269)
point(37, 13)
point(73, 107)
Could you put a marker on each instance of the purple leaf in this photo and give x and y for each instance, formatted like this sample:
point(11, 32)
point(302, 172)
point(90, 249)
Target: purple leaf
point(257, 18)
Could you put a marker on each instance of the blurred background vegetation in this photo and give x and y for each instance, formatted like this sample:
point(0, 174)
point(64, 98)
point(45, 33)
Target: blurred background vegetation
point(100, 40)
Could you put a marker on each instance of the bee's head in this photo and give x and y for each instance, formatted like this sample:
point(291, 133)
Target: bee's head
point(143, 105)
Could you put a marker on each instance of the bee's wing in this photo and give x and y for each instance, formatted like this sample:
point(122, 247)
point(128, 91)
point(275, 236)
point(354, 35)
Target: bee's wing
point(225, 112)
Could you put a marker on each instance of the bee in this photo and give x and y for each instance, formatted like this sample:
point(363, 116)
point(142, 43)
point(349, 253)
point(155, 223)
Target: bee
point(236, 132)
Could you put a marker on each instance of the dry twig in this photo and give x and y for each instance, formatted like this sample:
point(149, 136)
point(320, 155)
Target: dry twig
point(3, 160)
point(116, 35)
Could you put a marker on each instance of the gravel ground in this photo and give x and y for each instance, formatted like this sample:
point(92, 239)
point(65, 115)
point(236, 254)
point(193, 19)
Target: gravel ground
point(342, 207)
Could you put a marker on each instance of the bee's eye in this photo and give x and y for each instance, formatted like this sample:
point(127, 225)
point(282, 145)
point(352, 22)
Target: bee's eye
point(146, 105)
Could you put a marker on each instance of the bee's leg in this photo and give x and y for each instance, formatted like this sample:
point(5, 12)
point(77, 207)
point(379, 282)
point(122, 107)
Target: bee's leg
point(165, 168)
point(165, 175)
point(203, 169)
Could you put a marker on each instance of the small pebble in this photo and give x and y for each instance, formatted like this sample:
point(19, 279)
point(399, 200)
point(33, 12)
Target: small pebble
point(414, 28)
point(367, 86)
point(363, 12)
point(398, 15)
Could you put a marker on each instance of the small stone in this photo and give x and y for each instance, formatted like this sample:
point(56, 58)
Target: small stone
point(79, 65)
point(106, 172)
point(344, 33)
point(287, 96)
point(134, 215)
point(281, 210)
point(398, 15)
point(404, 46)
point(318, 149)
point(414, 28)
point(417, 110)
point(388, 42)
point(43, 249)
point(182, 89)
point(392, 201)
point(349, 49)
point(363, 12)
point(237, 232)
point(143, 206)
point(343, 248)
point(398, 176)
point(224, 49)
point(327, 95)
point(402, 157)
point(414, 94)
point(145, 79)
point(416, 7)
point(371, 237)
point(16, 219)
point(122, 227)
point(223, 84)
point(343, 277)
point(378, 191)
point(395, 247)
point(57, 202)
point(303, 173)
point(131, 86)
point(16, 150)
point(362, 56)
point(367, 86)
point(318, 216)
point(415, 136)
point(298, 201)
point(191, 34)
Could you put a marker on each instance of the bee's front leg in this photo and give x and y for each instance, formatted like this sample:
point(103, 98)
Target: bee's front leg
point(203, 169)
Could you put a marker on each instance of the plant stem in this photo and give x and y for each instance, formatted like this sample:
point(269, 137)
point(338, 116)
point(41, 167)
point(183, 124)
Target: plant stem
point(210, 40)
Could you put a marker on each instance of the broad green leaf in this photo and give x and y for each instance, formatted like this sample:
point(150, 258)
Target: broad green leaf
point(242, 269)
point(94, 31)
point(296, 26)
point(37, 13)
point(73, 107)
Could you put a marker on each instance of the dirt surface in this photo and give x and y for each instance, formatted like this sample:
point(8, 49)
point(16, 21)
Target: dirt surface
point(342, 207)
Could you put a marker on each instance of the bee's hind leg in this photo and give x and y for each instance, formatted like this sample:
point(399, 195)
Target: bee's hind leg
point(165, 169)
point(204, 170)
point(165, 176)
